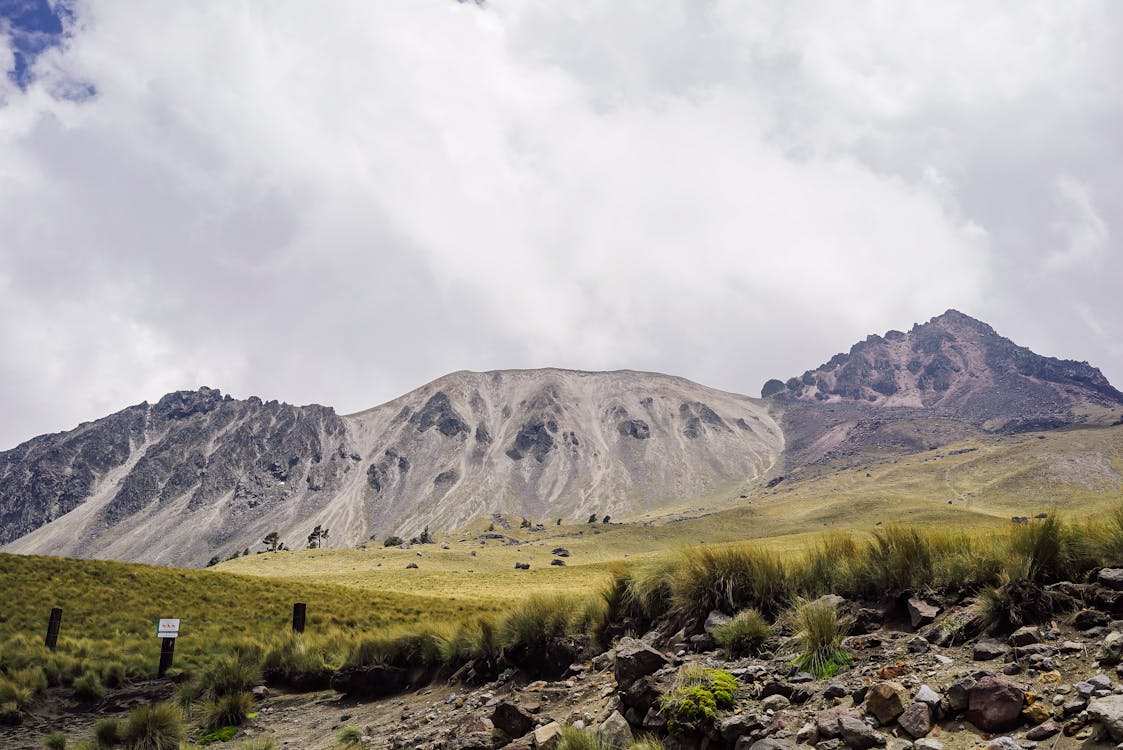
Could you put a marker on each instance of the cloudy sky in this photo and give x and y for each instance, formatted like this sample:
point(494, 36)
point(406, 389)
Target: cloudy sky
point(336, 206)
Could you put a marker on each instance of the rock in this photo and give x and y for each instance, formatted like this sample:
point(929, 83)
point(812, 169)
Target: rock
point(833, 744)
point(474, 741)
point(1111, 649)
point(916, 720)
point(835, 690)
point(1035, 713)
point(1024, 636)
point(928, 696)
point(1074, 705)
point(994, 705)
point(868, 620)
point(512, 720)
point(260, 693)
point(959, 693)
point(740, 725)
point(615, 732)
point(918, 645)
point(1109, 712)
point(989, 648)
point(886, 701)
point(921, 612)
point(411, 566)
point(898, 743)
point(1072, 647)
point(715, 620)
point(768, 743)
point(928, 743)
point(775, 703)
point(1043, 731)
point(1089, 618)
point(547, 737)
point(801, 677)
point(1002, 743)
point(1112, 578)
point(635, 659)
point(807, 734)
point(522, 566)
point(857, 734)
point(1011, 668)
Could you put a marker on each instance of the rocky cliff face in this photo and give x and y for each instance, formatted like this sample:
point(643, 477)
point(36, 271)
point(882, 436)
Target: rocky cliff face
point(200, 474)
point(944, 380)
point(172, 481)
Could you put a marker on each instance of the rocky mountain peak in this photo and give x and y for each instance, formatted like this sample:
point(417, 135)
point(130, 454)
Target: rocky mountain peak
point(954, 364)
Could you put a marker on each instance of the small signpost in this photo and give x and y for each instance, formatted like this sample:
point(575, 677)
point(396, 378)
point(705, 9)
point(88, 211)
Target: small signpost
point(168, 629)
point(53, 625)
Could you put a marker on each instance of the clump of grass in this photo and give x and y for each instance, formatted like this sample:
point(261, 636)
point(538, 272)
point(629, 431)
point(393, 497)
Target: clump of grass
point(697, 697)
point(744, 635)
point(300, 661)
point(259, 743)
point(573, 738)
point(55, 741)
point(107, 733)
point(648, 743)
point(230, 674)
point(727, 579)
point(158, 726)
point(819, 631)
point(349, 736)
point(398, 648)
point(227, 710)
point(88, 687)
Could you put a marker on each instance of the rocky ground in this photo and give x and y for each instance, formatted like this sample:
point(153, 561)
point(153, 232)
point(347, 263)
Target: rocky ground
point(1055, 684)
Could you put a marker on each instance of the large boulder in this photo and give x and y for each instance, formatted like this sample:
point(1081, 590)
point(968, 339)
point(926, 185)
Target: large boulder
point(1109, 712)
point(511, 719)
point(887, 700)
point(1111, 649)
point(548, 736)
point(615, 732)
point(635, 659)
point(995, 705)
point(715, 620)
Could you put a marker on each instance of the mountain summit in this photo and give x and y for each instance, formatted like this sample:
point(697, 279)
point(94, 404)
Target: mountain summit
point(954, 365)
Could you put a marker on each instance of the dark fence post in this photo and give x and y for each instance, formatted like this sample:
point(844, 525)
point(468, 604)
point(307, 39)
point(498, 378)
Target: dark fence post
point(298, 612)
point(53, 626)
point(167, 651)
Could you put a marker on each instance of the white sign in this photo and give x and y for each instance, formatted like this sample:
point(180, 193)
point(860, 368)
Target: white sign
point(167, 629)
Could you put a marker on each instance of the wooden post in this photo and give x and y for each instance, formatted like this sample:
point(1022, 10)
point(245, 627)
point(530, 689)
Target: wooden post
point(299, 610)
point(167, 651)
point(53, 626)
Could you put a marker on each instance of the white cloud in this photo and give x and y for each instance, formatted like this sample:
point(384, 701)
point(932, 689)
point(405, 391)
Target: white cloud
point(1081, 230)
point(337, 206)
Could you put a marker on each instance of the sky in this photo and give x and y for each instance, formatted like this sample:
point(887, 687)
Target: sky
point(337, 206)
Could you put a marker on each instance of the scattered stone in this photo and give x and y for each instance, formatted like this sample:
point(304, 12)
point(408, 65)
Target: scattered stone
point(835, 690)
point(989, 648)
point(775, 703)
point(1024, 636)
point(886, 701)
point(1043, 731)
point(411, 566)
point(1086, 619)
point(921, 612)
point(857, 734)
point(929, 696)
point(916, 720)
point(918, 645)
point(1111, 649)
point(928, 743)
point(994, 705)
point(768, 743)
point(1035, 713)
point(1002, 743)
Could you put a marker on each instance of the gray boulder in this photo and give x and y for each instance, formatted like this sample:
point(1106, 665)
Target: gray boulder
point(1109, 712)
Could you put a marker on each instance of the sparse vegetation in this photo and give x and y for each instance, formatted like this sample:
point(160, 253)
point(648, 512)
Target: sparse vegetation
point(744, 635)
point(55, 741)
point(349, 736)
point(158, 726)
point(699, 694)
point(819, 631)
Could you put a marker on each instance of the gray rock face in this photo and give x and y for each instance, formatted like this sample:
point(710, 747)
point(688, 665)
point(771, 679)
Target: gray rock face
point(200, 474)
point(615, 732)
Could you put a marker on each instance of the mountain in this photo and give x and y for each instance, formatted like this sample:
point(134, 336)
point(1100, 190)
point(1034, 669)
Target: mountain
point(944, 380)
point(200, 473)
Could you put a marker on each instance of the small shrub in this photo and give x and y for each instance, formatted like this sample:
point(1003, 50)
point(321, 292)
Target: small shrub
point(107, 732)
point(228, 710)
point(727, 579)
point(349, 736)
point(648, 743)
point(88, 687)
point(114, 674)
point(221, 734)
point(693, 705)
point(158, 726)
point(819, 633)
point(744, 635)
point(392, 541)
point(55, 741)
point(230, 674)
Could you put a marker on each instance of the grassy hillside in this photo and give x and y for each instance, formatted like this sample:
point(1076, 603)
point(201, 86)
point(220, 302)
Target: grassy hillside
point(112, 608)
